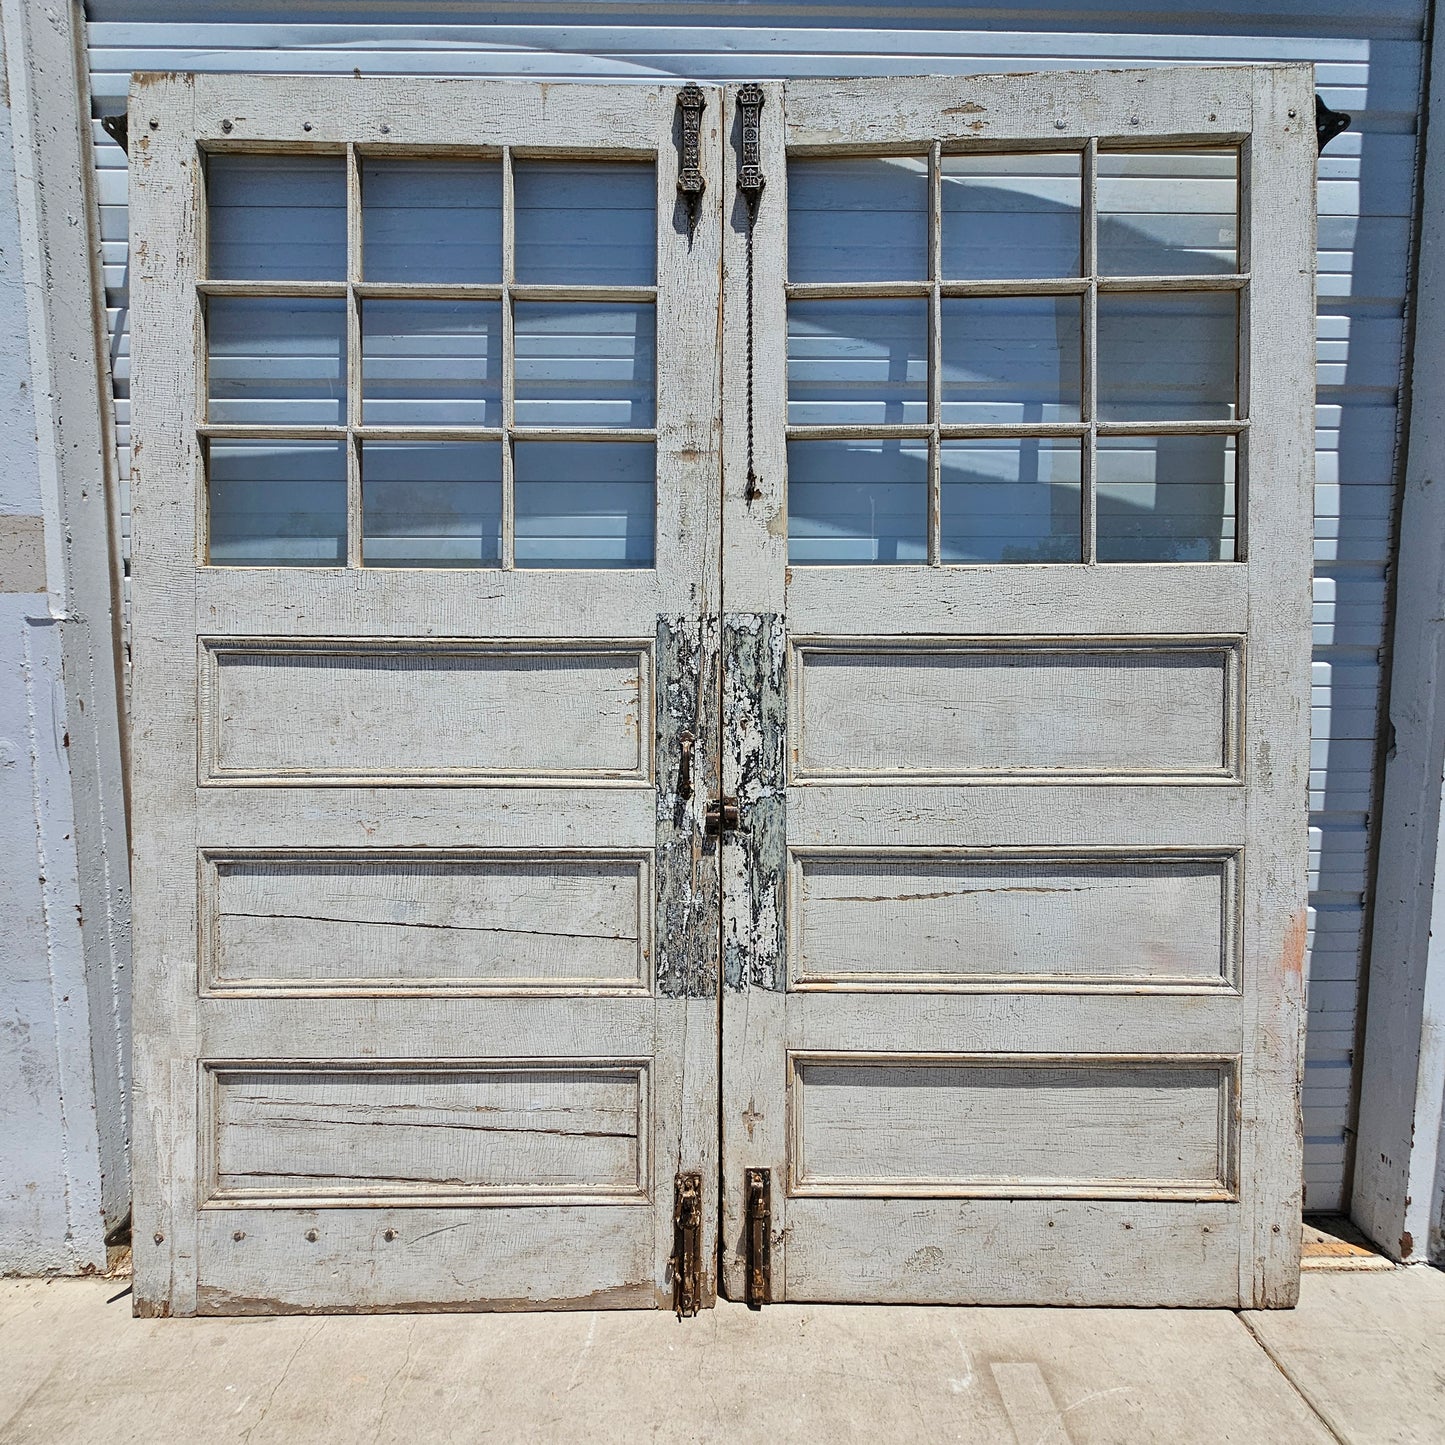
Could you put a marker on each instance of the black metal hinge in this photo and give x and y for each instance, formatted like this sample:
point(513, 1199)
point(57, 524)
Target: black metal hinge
point(1328, 123)
point(687, 1244)
point(759, 1204)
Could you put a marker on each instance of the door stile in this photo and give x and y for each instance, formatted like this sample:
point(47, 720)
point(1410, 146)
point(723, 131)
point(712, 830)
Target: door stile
point(754, 544)
point(688, 881)
point(166, 211)
point(1277, 355)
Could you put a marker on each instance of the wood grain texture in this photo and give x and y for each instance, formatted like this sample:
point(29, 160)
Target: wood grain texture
point(895, 918)
point(301, 921)
point(941, 710)
point(1010, 1126)
point(328, 1133)
point(288, 711)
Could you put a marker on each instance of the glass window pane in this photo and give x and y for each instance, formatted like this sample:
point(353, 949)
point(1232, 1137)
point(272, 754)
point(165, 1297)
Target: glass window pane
point(276, 503)
point(1010, 499)
point(585, 363)
point(586, 222)
point(858, 219)
point(1010, 217)
point(858, 362)
point(431, 504)
point(280, 218)
point(431, 363)
point(1166, 499)
point(585, 504)
point(276, 359)
point(857, 501)
point(426, 220)
point(1011, 358)
point(1168, 213)
point(1171, 356)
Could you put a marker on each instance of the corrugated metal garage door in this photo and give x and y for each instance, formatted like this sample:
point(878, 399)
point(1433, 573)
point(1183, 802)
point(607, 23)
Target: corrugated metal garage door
point(1368, 61)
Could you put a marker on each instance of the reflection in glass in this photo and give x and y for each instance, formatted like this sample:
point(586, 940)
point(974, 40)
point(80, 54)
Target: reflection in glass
point(585, 363)
point(1010, 499)
point(431, 504)
point(276, 503)
point(431, 363)
point(276, 359)
point(858, 219)
point(1010, 217)
point(1168, 213)
point(276, 218)
point(1168, 356)
point(1011, 358)
point(585, 504)
point(430, 220)
point(857, 501)
point(586, 222)
point(1166, 499)
point(858, 362)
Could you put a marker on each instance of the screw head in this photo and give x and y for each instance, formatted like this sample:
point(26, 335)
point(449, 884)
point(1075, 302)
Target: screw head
point(239, 1235)
point(1133, 120)
point(226, 125)
point(386, 130)
point(155, 125)
point(389, 1235)
point(159, 1237)
point(1293, 113)
point(305, 125)
point(1061, 125)
point(311, 1235)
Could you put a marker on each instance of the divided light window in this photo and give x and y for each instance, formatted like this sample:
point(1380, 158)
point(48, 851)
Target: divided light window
point(430, 361)
point(1025, 357)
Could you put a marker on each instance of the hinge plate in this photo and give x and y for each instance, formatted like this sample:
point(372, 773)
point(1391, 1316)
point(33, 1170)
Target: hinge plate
point(757, 1186)
point(686, 1265)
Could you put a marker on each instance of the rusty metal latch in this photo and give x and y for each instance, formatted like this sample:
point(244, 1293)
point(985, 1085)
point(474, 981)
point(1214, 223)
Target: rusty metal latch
point(686, 742)
point(687, 1244)
point(721, 816)
point(758, 1187)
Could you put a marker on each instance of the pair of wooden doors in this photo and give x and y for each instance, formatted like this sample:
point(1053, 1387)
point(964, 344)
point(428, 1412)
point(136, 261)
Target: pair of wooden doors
point(653, 699)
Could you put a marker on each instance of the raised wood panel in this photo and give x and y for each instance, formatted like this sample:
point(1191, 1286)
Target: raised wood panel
point(284, 711)
point(1056, 1127)
point(901, 710)
point(891, 918)
point(339, 921)
point(469, 1133)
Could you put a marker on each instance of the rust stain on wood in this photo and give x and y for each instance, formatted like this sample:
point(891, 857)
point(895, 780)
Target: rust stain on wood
point(1294, 946)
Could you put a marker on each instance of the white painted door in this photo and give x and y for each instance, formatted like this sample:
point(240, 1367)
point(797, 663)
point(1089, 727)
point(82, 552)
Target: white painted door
point(426, 581)
point(1016, 602)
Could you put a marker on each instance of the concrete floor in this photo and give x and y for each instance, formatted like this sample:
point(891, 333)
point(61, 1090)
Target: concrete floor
point(1361, 1360)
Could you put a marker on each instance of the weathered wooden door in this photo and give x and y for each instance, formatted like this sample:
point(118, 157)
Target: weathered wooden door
point(426, 587)
point(987, 659)
point(1016, 593)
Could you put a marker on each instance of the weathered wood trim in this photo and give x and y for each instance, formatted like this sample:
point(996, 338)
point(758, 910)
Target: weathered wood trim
point(756, 732)
point(58, 263)
point(687, 859)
